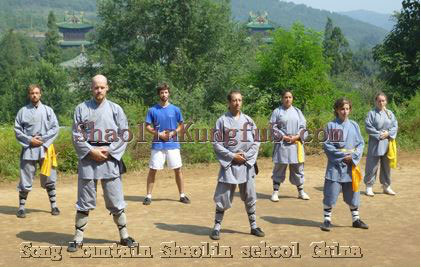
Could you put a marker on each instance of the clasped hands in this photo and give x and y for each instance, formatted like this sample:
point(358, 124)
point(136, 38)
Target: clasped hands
point(99, 154)
point(291, 139)
point(166, 134)
point(384, 134)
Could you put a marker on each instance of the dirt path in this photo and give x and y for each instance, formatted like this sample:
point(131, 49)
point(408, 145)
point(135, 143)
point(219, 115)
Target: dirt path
point(392, 240)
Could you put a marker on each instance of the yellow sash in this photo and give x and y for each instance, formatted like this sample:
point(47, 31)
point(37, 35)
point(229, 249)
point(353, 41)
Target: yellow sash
point(392, 154)
point(356, 178)
point(356, 172)
point(300, 150)
point(50, 161)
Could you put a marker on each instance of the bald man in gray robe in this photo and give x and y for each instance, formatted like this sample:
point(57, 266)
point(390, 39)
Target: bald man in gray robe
point(100, 135)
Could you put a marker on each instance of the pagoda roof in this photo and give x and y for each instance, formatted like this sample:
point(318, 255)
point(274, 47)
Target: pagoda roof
point(79, 61)
point(68, 25)
point(255, 25)
point(74, 43)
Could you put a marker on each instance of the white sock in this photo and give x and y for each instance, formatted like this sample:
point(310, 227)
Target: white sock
point(149, 196)
point(327, 213)
point(355, 213)
point(182, 195)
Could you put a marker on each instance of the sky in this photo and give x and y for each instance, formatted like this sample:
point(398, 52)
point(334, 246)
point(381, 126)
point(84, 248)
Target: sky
point(380, 6)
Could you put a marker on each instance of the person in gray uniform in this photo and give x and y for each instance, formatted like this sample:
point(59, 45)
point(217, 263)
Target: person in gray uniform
point(100, 135)
point(381, 126)
point(236, 149)
point(36, 128)
point(344, 148)
point(288, 126)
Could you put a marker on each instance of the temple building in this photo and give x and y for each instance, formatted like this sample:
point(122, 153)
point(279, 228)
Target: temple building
point(259, 25)
point(74, 28)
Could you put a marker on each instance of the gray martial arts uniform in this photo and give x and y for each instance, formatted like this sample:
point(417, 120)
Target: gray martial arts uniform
point(35, 121)
point(230, 138)
point(107, 118)
point(286, 122)
point(339, 174)
point(375, 123)
point(98, 126)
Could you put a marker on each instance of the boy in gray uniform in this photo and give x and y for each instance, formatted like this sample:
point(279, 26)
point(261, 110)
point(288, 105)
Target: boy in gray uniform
point(100, 132)
point(236, 148)
point(36, 128)
point(381, 126)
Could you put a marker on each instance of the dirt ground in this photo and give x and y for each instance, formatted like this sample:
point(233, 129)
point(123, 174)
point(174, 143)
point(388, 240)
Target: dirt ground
point(392, 240)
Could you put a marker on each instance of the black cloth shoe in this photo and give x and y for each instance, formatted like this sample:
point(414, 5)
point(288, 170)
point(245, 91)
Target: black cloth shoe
point(326, 225)
point(185, 200)
point(55, 211)
point(128, 242)
point(257, 232)
point(214, 235)
point(21, 213)
point(147, 201)
point(359, 224)
point(74, 246)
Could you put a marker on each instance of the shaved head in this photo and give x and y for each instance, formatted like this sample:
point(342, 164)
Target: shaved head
point(99, 87)
point(99, 78)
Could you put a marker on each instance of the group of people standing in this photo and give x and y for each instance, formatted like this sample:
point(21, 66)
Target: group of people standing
point(100, 156)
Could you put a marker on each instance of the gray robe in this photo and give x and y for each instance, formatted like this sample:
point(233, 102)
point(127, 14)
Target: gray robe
point(287, 122)
point(31, 121)
point(375, 122)
point(225, 150)
point(352, 141)
point(107, 117)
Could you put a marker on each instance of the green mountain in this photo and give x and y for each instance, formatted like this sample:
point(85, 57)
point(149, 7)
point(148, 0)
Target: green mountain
point(384, 21)
point(32, 15)
point(284, 14)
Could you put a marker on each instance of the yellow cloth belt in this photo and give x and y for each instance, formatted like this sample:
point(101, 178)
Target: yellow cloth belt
point(392, 154)
point(356, 172)
point(356, 178)
point(300, 153)
point(50, 161)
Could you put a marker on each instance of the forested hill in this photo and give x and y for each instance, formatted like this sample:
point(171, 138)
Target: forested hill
point(385, 21)
point(286, 13)
point(32, 14)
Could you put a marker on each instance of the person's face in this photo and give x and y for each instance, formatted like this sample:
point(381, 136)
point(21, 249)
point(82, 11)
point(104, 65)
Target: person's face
point(287, 100)
point(164, 95)
point(343, 112)
point(34, 95)
point(236, 102)
point(381, 102)
point(99, 89)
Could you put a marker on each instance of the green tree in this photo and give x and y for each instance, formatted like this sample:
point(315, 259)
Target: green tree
point(56, 91)
point(193, 45)
point(399, 54)
point(52, 52)
point(294, 61)
point(336, 48)
point(16, 52)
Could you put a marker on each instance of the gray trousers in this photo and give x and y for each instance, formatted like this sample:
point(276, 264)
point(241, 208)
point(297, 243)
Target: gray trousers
point(224, 194)
point(371, 166)
point(113, 194)
point(332, 189)
point(27, 171)
point(296, 173)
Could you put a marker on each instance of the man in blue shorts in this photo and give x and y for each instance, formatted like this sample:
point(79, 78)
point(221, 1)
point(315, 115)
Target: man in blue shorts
point(164, 121)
